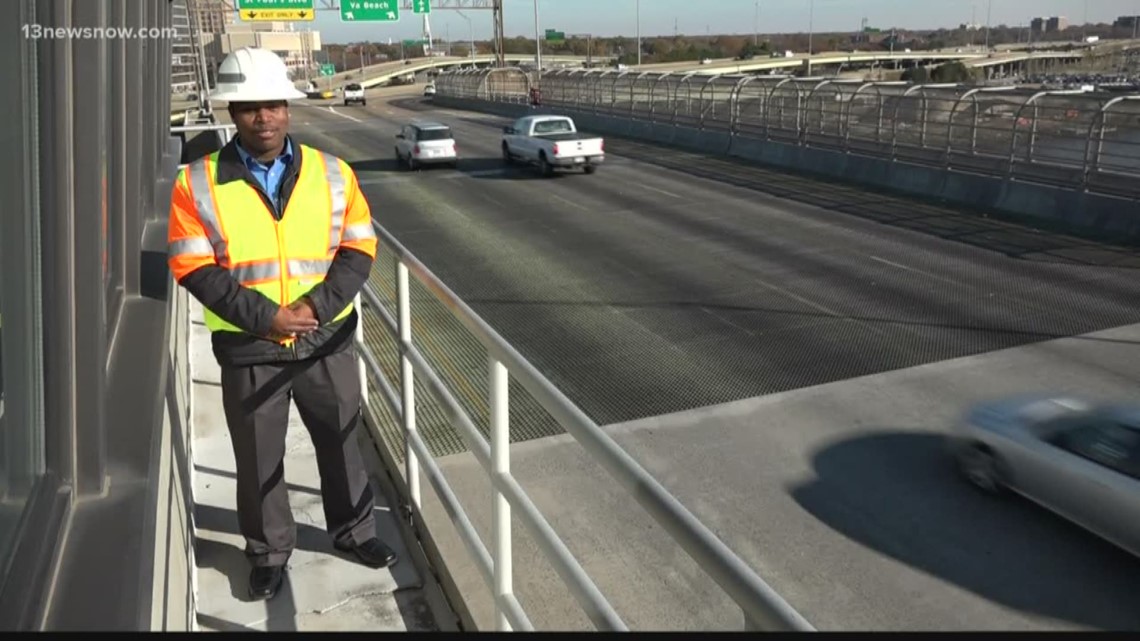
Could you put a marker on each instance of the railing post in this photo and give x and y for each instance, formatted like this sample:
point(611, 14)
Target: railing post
point(500, 508)
point(407, 382)
point(361, 369)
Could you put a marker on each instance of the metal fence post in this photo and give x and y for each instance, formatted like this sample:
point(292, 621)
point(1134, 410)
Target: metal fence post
point(407, 381)
point(500, 508)
point(361, 368)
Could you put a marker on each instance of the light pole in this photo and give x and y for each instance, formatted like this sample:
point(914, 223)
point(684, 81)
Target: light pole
point(638, 33)
point(811, 30)
point(989, 8)
point(756, 26)
point(1085, 28)
point(537, 41)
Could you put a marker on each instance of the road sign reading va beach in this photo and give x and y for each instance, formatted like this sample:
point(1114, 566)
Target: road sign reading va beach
point(276, 10)
point(369, 10)
point(421, 6)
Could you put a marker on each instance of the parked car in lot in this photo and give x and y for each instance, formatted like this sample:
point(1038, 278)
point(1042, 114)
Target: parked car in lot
point(1077, 458)
point(354, 93)
point(426, 143)
point(552, 142)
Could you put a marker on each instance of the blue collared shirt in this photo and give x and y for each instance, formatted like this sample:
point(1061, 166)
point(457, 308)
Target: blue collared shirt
point(269, 176)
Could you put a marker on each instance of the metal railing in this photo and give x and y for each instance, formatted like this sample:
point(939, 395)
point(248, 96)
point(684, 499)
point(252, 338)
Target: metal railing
point(1076, 139)
point(223, 131)
point(763, 609)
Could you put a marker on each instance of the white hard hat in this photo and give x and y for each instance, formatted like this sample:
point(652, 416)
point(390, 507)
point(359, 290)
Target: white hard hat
point(254, 75)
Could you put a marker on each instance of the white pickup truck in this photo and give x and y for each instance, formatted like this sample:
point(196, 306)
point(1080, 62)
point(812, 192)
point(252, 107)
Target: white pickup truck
point(552, 142)
point(354, 93)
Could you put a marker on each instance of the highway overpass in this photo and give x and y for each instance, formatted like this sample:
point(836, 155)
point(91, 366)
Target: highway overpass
point(848, 59)
point(380, 74)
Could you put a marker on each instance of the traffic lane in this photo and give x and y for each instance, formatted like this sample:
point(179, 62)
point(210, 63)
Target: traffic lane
point(849, 294)
point(542, 249)
point(981, 231)
point(444, 213)
point(932, 266)
point(804, 228)
point(758, 267)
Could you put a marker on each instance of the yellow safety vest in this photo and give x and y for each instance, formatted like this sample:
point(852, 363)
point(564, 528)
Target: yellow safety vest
point(282, 259)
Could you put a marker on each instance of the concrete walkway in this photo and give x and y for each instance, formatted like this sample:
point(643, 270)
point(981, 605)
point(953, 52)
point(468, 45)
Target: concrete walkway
point(324, 589)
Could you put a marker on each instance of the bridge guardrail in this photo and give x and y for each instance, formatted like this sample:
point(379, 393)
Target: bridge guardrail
point(762, 607)
point(1074, 139)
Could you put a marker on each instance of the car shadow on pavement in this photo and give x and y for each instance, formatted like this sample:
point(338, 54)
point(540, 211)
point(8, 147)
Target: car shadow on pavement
point(482, 168)
point(899, 494)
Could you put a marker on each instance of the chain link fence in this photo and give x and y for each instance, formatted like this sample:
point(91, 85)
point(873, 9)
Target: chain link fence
point(1072, 138)
point(509, 85)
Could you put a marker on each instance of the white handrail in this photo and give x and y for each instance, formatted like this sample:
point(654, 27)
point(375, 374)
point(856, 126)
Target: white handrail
point(763, 608)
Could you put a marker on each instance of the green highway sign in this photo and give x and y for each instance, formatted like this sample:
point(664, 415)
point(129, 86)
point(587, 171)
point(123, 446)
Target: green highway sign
point(274, 10)
point(328, 70)
point(421, 6)
point(412, 43)
point(369, 10)
point(555, 36)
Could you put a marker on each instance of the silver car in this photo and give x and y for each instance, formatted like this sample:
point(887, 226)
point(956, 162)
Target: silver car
point(1074, 457)
point(426, 143)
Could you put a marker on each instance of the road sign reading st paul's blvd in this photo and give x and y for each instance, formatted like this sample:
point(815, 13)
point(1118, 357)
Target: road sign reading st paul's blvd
point(369, 10)
point(276, 10)
point(421, 6)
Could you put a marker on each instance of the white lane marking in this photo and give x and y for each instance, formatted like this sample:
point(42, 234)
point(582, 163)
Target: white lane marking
point(660, 191)
point(727, 321)
point(912, 269)
point(455, 210)
point(491, 200)
point(343, 115)
point(569, 202)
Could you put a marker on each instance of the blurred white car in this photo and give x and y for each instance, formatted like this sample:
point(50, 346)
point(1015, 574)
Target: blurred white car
point(426, 143)
point(1077, 458)
point(429, 90)
point(354, 93)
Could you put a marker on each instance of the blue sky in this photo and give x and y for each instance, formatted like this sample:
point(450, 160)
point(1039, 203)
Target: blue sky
point(618, 17)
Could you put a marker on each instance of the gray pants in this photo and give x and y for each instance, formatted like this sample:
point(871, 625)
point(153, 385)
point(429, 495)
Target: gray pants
point(256, 402)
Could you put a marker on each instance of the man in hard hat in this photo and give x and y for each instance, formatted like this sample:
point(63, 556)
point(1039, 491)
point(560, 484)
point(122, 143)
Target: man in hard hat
point(275, 239)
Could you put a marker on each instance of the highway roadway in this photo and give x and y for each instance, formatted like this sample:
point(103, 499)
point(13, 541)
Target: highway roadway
point(783, 354)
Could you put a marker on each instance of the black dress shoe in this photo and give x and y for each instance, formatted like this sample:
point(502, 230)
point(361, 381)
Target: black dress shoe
point(372, 553)
point(264, 581)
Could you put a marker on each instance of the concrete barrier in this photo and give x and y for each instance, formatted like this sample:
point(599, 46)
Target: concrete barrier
point(1065, 209)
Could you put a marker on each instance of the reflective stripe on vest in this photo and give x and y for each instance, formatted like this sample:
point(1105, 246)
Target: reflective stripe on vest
point(282, 259)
